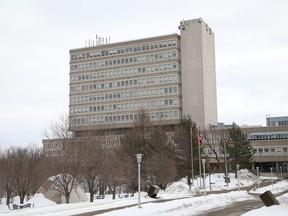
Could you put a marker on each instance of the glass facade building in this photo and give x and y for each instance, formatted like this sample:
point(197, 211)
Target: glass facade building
point(277, 121)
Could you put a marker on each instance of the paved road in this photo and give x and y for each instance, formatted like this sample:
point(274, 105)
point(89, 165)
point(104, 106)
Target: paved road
point(122, 207)
point(240, 208)
point(235, 209)
point(104, 211)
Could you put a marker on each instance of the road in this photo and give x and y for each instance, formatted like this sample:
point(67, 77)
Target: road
point(240, 208)
point(235, 209)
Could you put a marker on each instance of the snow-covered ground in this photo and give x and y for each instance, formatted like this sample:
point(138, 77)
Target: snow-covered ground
point(188, 202)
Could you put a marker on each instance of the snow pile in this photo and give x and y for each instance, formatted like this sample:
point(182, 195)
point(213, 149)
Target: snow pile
point(178, 187)
point(246, 174)
point(40, 200)
point(275, 189)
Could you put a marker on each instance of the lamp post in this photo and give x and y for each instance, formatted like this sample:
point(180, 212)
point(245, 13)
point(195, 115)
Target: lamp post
point(238, 176)
point(257, 168)
point(281, 173)
point(271, 168)
point(139, 157)
point(204, 177)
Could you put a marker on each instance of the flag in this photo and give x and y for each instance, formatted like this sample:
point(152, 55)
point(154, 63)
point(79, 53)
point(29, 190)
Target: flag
point(200, 140)
point(225, 138)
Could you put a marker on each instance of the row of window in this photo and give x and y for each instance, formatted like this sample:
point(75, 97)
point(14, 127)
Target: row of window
point(124, 72)
point(171, 90)
point(124, 83)
point(52, 146)
point(277, 121)
point(125, 106)
point(126, 49)
point(277, 135)
point(129, 118)
point(123, 61)
point(271, 150)
point(257, 151)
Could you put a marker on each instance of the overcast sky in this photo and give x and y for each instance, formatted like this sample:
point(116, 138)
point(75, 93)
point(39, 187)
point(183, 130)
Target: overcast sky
point(251, 40)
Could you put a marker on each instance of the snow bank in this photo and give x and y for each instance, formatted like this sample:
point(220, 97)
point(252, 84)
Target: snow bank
point(40, 200)
point(275, 189)
point(187, 206)
point(279, 210)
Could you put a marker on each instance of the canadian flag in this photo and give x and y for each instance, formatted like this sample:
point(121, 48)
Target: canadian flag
point(200, 137)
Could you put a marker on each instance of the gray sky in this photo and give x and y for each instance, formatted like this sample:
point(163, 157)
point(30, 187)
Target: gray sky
point(36, 36)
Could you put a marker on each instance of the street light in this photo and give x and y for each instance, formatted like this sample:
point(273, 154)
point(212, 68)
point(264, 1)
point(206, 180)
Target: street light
point(203, 163)
point(139, 156)
point(281, 173)
point(257, 168)
point(238, 176)
point(271, 168)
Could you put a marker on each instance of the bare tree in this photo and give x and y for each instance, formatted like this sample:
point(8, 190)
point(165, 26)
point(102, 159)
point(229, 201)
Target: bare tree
point(5, 180)
point(152, 142)
point(21, 164)
point(215, 141)
point(67, 165)
point(114, 172)
point(135, 141)
point(92, 165)
point(161, 170)
point(59, 130)
point(67, 168)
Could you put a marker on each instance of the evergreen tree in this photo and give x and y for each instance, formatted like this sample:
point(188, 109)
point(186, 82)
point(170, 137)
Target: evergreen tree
point(239, 149)
point(183, 147)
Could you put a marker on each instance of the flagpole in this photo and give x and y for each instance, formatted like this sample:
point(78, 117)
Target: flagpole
point(199, 155)
point(225, 160)
point(192, 159)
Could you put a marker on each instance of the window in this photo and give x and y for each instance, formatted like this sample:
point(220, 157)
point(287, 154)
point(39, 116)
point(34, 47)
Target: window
point(260, 150)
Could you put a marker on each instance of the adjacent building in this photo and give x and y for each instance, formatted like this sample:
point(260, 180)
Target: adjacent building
point(270, 145)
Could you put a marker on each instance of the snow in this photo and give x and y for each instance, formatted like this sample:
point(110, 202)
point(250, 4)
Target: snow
point(185, 202)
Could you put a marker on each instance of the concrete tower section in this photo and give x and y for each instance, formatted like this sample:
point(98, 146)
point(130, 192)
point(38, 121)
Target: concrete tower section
point(198, 76)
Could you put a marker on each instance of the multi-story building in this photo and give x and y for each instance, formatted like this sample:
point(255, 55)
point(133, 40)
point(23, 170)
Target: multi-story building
point(169, 76)
point(270, 145)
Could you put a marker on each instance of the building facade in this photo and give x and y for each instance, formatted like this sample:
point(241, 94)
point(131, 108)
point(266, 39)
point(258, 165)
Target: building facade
point(168, 76)
point(270, 145)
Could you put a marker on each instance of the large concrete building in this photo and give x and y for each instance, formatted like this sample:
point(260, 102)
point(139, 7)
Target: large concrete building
point(169, 76)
